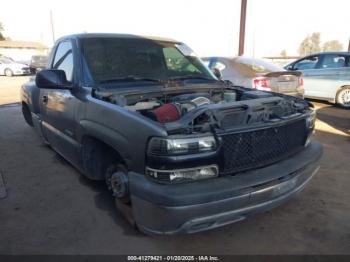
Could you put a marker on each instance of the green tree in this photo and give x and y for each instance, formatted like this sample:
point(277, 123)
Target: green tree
point(283, 53)
point(333, 45)
point(311, 44)
point(1, 30)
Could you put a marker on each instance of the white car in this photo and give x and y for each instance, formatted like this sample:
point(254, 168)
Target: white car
point(9, 67)
point(257, 74)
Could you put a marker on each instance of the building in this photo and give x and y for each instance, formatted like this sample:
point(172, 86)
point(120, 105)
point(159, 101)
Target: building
point(21, 50)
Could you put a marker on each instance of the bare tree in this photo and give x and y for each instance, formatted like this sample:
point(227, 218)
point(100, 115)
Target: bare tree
point(311, 44)
point(333, 45)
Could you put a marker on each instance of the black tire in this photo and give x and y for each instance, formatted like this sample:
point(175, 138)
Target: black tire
point(343, 97)
point(27, 115)
point(8, 72)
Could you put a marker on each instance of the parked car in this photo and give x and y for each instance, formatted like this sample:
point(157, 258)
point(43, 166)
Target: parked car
point(180, 150)
point(326, 76)
point(10, 68)
point(37, 63)
point(257, 74)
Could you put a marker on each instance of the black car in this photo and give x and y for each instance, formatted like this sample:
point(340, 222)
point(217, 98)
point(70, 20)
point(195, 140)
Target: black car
point(37, 63)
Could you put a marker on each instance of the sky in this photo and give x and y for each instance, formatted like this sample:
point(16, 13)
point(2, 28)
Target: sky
point(209, 27)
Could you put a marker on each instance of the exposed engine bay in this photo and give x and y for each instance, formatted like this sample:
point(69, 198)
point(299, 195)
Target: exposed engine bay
point(200, 110)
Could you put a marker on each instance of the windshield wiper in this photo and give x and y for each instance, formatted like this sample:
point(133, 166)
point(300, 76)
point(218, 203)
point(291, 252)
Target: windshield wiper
point(130, 79)
point(188, 77)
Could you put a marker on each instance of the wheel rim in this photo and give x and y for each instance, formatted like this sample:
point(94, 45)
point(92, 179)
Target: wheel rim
point(344, 98)
point(8, 72)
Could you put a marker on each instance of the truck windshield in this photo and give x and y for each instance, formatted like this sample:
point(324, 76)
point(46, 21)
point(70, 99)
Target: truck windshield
point(119, 59)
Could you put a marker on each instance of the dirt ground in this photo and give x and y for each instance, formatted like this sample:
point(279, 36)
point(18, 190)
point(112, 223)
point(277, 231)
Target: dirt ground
point(47, 207)
point(9, 88)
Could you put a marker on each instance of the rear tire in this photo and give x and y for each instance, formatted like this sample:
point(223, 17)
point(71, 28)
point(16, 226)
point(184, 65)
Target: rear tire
point(27, 114)
point(8, 72)
point(343, 97)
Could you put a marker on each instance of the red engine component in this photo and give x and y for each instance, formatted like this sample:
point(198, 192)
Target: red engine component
point(167, 113)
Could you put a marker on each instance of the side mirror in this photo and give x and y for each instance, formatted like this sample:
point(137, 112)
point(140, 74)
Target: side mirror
point(217, 73)
point(52, 79)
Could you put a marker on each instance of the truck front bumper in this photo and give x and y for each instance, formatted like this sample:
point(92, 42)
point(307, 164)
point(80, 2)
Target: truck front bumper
point(207, 204)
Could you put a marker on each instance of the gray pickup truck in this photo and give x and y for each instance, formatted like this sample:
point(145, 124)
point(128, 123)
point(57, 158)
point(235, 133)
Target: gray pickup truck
point(180, 150)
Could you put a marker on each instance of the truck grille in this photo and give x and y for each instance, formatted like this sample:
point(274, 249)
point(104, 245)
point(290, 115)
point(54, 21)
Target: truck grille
point(252, 149)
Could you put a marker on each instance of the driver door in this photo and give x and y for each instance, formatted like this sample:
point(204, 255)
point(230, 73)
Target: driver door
point(58, 107)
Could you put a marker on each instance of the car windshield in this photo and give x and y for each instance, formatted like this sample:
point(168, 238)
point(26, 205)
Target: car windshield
point(6, 60)
point(118, 59)
point(39, 58)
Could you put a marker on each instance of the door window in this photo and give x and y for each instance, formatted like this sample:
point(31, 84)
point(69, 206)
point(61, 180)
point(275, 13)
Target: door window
point(218, 65)
point(64, 59)
point(333, 61)
point(307, 63)
point(175, 61)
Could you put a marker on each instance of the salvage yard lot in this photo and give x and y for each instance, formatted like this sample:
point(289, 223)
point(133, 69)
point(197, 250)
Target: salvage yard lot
point(51, 209)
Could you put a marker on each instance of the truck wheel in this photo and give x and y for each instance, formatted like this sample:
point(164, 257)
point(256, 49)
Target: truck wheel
point(8, 72)
point(27, 114)
point(343, 97)
point(117, 182)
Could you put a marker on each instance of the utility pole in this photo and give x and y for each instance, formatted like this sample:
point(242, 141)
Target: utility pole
point(254, 42)
point(242, 27)
point(349, 46)
point(52, 28)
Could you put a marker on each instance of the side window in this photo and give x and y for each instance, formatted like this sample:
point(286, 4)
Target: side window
point(218, 65)
point(64, 59)
point(333, 61)
point(307, 63)
point(175, 61)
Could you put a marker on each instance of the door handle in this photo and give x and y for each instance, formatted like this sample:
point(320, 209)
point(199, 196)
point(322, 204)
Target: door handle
point(45, 99)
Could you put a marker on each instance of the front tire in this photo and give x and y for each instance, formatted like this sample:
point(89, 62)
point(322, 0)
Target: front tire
point(343, 97)
point(117, 182)
point(8, 72)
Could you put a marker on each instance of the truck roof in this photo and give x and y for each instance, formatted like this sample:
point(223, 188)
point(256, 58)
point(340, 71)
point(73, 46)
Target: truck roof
point(111, 35)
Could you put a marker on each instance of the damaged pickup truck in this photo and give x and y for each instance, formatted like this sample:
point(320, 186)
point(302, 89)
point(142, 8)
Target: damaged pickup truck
point(180, 150)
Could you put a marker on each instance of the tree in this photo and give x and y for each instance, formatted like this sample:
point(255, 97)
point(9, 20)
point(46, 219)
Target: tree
point(283, 53)
point(311, 44)
point(1, 30)
point(333, 45)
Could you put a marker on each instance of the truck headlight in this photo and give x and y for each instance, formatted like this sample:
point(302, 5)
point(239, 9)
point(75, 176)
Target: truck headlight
point(180, 146)
point(311, 119)
point(181, 175)
point(310, 125)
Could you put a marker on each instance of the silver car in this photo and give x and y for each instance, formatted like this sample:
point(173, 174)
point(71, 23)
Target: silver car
point(257, 74)
point(326, 76)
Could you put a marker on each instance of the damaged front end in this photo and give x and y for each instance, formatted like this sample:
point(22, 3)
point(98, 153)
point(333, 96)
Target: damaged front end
point(218, 131)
